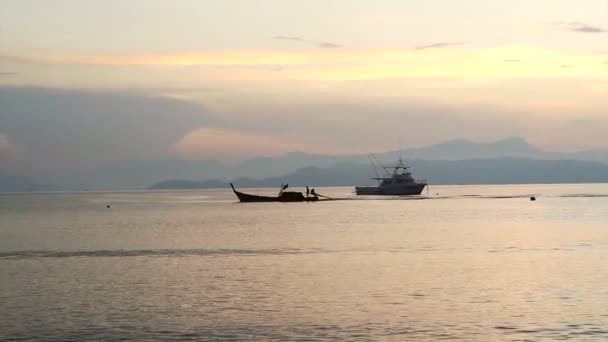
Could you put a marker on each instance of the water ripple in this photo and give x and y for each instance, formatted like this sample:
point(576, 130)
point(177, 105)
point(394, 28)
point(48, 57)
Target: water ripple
point(18, 255)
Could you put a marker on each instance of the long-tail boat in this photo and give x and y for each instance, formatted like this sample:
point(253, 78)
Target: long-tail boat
point(283, 196)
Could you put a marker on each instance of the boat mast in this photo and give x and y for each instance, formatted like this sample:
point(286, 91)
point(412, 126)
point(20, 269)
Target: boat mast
point(386, 171)
point(371, 160)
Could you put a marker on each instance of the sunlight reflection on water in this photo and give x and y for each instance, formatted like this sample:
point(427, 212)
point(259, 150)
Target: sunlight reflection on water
point(197, 266)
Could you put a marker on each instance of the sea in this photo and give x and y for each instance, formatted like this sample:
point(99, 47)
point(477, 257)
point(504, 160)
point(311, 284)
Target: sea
point(471, 263)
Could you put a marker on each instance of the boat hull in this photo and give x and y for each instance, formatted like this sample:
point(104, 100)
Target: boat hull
point(287, 196)
point(402, 190)
point(254, 198)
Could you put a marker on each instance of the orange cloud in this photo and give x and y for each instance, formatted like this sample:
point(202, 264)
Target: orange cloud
point(231, 146)
point(7, 148)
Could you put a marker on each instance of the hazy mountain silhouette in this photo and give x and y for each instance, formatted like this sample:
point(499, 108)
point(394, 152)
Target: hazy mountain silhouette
point(138, 174)
point(132, 174)
point(458, 149)
point(466, 149)
point(472, 171)
point(10, 182)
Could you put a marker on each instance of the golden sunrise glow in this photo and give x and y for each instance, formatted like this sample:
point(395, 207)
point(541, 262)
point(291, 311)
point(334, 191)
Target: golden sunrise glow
point(315, 65)
point(265, 70)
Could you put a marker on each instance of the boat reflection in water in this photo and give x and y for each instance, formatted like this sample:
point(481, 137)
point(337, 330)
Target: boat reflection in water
point(283, 196)
point(397, 181)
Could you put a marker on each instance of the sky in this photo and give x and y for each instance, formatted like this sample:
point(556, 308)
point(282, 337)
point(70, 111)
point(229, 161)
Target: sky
point(85, 82)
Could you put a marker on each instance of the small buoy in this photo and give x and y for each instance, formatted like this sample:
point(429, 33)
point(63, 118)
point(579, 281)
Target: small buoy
point(108, 206)
point(532, 198)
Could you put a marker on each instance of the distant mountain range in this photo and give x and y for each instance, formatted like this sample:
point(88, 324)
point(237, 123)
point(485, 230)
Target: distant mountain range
point(10, 183)
point(472, 171)
point(460, 149)
point(455, 161)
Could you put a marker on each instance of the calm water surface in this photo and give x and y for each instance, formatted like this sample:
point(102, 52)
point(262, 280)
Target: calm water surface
point(475, 263)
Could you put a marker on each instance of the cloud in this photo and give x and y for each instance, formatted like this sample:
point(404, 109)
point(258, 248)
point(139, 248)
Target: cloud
point(21, 59)
point(214, 59)
point(236, 67)
point(329, 45)
point(7, 148)
point(59, 128)
point(438, 45)
point(579, 27)
point(297, 39)
point(66, 128)
point(230, 145)
point(324, 45)
point(562, 65)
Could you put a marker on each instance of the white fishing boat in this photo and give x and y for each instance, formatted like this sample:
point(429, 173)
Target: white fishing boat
point(397, 181)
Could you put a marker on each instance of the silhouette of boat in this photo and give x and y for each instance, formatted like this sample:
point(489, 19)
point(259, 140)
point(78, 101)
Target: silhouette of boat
point(397, 181)
point(283, 196)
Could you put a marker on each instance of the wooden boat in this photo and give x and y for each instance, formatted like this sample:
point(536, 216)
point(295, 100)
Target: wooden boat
point(283, 196)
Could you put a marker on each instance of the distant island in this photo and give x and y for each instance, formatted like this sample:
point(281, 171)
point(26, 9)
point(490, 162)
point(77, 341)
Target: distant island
point(459, 161)
point(15, 183)
point(472, 171)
